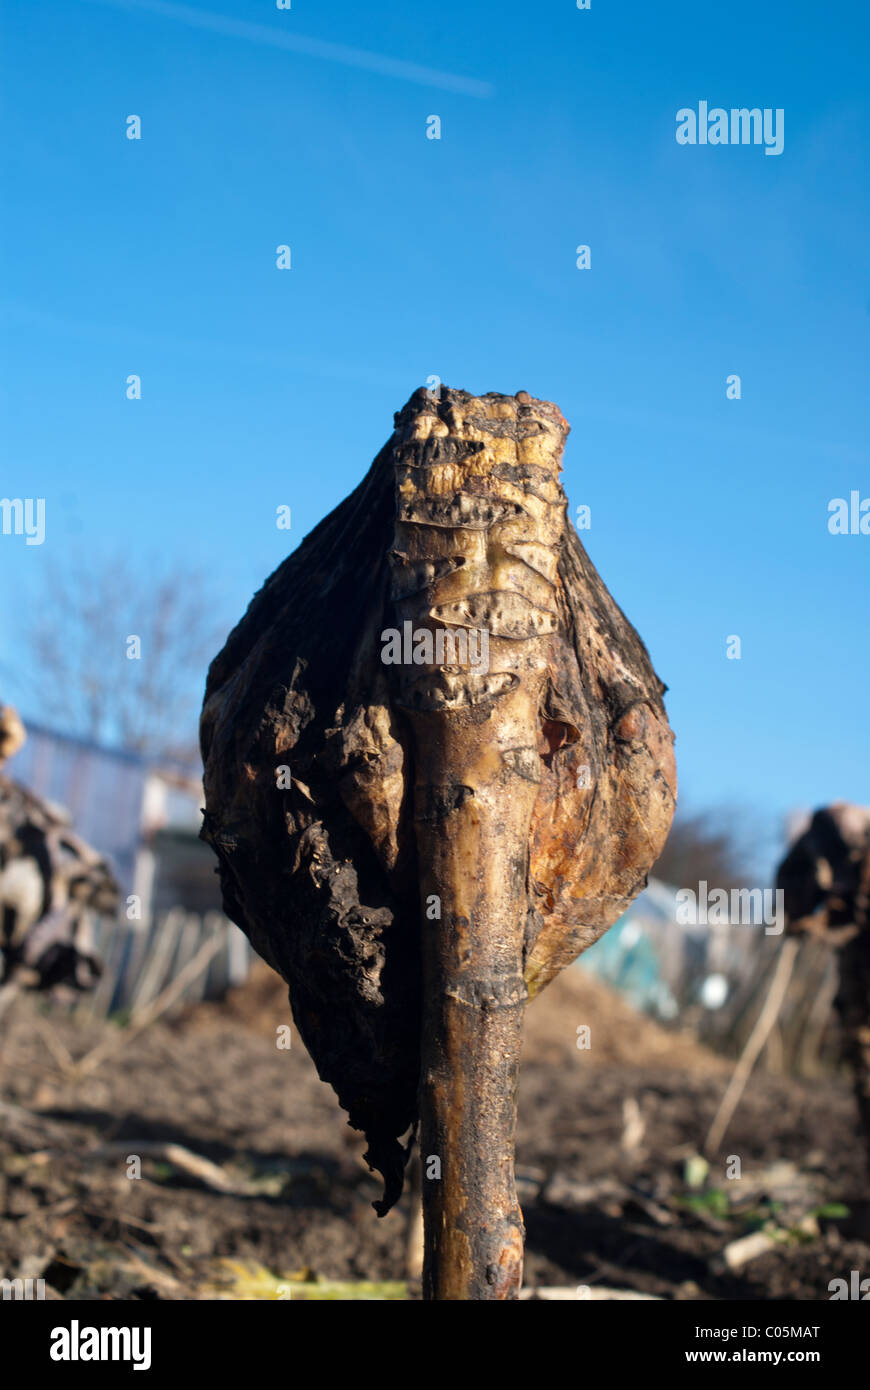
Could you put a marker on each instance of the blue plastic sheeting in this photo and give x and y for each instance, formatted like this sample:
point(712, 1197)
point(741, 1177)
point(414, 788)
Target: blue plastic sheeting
point(647, 956)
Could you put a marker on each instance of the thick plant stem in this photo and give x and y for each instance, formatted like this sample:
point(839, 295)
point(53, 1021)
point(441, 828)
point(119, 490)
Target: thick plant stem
point(475, 868)
point(479, 517)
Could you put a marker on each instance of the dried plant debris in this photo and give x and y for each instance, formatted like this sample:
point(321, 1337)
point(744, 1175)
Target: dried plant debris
point(49, 878)
point(437, 768)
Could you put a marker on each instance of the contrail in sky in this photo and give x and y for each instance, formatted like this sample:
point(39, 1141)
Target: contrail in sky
point(311, 48)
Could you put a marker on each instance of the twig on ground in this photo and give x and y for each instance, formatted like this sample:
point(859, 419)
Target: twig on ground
point(166, 1152)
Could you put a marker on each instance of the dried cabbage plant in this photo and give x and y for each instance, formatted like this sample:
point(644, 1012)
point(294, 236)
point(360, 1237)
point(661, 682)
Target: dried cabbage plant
point(825, 881)
point(437, 768)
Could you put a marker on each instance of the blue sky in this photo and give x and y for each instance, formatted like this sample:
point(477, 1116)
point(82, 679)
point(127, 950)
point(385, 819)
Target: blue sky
point(413, 257)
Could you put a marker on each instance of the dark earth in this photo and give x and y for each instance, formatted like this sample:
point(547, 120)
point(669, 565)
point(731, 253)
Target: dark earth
point(612, 1194)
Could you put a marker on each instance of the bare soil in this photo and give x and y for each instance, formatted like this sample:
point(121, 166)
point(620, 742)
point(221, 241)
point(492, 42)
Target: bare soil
point(605, 1134)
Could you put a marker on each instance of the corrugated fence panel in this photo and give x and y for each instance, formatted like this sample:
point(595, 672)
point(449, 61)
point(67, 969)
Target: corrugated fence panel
point(140, 959)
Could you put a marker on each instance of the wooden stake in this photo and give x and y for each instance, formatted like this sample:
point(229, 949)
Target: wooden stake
point(754, 1044)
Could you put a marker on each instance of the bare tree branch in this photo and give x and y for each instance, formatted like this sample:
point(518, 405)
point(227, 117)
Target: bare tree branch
point(76, 644)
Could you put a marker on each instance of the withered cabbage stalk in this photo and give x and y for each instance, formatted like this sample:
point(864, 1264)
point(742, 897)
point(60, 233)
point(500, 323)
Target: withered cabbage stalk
point(525, 802)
